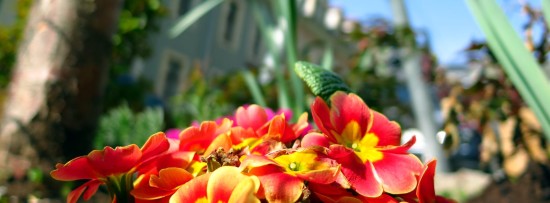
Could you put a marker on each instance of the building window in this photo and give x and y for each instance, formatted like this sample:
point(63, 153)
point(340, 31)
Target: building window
point(230, 21)
point(173, 68)
point(184, 7)
point(257, 41)
point(171, 81)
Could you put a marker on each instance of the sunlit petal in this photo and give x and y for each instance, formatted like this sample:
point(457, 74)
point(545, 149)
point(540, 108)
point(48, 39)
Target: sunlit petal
point(315, 139)
point(347, 108)
point(398, 172)
point(192, 191)
point(389, 132)
point(281, 187)
point(361, 176)
point(220, 187)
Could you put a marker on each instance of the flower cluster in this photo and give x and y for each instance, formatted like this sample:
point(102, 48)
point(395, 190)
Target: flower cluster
point(355, 155)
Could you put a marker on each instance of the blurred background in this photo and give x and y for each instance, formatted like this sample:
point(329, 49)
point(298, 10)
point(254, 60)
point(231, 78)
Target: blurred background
point(468, 78)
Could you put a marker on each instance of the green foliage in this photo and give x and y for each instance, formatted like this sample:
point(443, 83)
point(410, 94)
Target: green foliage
point(203, 99)
point(322, 82)
point(138, 20)
point(121, 126)
point(9, 40)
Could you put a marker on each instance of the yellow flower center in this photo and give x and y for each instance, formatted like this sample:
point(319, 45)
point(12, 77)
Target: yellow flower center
point(363, 146)
point(293, 166)
point(300, 161)
point(354, 146)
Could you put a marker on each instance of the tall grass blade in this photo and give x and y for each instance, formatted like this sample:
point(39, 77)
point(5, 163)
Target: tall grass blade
point(287, 11)
point(254, 88)
point(190, 18)
point(267, 29)
point(546, 11)
point(328, 59)
point(518, 63)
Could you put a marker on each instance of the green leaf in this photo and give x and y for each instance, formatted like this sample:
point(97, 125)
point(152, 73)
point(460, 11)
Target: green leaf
point(322, 82)
point(187, 20)
point(546, 11)
point(254, 88)
point(518, 63)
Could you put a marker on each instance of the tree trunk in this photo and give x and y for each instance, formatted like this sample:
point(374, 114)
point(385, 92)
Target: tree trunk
point(52, 109)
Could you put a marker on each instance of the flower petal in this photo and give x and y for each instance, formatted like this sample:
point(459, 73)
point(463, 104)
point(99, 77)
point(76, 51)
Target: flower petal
point(322, 117)
point(245, 191)
point(144, 191)
point(349, 107)
point(398, 172)
point(111, 161)
point(76, 169)
point(253, 117)
point(301, 126)
point(239, 134)
point(403, 149)
point(328, 192)
point(155, 145)
point(220, 187)
point(175, 159)
point(425, 190)
point(384, 198)
point(281, 187)
point(198, 139)
point(89, 189)
point(315, 139)
point(255, 161)
point(192, 191)
point(170, 178)
point(324, 176)
point(389, 132)
point(222, 141)
point(360, 175)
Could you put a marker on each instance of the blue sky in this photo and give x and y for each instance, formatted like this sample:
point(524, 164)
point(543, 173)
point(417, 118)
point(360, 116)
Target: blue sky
point(449, 22)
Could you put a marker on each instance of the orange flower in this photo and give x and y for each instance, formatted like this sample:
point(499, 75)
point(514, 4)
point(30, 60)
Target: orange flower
point(283, 177)
point(206, 138)
point(366, 144)
point(226, 184)
point(162, 177)
point(256, 128)
point(113, 167)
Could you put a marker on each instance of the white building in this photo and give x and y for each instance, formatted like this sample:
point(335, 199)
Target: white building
point(227, 39)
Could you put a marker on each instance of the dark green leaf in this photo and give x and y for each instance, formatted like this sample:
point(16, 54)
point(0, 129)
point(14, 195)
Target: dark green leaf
point(322, 82)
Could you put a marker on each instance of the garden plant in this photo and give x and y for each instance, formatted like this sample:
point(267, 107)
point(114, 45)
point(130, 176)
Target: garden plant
point(354, 154)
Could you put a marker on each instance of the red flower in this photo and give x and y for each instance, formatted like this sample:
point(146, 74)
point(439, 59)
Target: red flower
point(366, 144)
point(425, 191)
point(113, 167)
